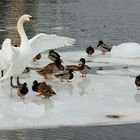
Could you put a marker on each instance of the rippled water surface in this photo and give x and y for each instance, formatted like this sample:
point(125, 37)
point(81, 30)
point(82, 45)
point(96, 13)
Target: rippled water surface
point(114, 21)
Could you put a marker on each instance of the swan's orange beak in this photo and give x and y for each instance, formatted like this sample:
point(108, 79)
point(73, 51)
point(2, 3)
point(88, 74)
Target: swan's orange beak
point(33, 20)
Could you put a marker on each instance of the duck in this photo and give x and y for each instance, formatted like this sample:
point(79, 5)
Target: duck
point(82, 68)
point(90, 50)
point(37, 57)
point(73, 67)
point(103, 47)
point(22, 90)
point(51, 69)
point(65, 75)
point(137, 82)
point(27, 70)
point(53, 55)
point(43, 89)
point(27, 50)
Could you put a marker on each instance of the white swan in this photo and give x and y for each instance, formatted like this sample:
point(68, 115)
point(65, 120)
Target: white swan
point(22, 56)
point(126, 50)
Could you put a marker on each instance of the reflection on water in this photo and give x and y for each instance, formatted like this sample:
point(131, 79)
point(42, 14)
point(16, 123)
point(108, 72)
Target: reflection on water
point(83, 85)
point(48, 103)
point(137, 96)
point(59, 86)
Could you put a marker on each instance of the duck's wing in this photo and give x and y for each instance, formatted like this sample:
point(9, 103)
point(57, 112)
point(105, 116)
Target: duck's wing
point(106, 47)
point(62, 73)
point(43, 42)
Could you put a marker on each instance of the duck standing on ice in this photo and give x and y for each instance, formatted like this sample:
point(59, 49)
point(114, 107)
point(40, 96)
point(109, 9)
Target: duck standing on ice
point(65, 75)
point(82, 68)
point(90, 51)
point(103, 47)
point(43, 89)
point(22, 91)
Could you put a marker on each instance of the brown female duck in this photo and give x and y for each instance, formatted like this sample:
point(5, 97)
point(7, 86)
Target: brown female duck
point(43, 89)
point(22, 90)
point(51, 69)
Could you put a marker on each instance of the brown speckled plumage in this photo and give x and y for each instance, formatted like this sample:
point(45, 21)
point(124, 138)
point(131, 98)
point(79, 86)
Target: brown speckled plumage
point(51, 69)
point(23, 90)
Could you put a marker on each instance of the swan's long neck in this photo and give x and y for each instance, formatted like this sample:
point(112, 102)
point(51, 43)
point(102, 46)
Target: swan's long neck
point(21, 31)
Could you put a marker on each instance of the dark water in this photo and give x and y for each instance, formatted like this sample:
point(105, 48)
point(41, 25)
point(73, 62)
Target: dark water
point(121, 132)
point(113, 21)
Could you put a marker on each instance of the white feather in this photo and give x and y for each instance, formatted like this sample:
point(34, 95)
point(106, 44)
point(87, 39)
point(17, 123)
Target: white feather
point(42, 42)
point(7, 53)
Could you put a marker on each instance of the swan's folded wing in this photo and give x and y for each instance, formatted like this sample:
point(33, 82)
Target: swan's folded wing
point(42, 42)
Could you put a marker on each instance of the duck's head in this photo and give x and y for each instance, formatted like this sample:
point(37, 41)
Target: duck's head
point(100, 42)
point(35, 82)
point(51, 51)
point(25, 84)
point(82, 61)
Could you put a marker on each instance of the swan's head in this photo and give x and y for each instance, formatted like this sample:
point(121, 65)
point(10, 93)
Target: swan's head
point(27, 18)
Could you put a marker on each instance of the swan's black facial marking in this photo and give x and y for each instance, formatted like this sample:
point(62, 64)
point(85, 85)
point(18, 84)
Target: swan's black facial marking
point(32, 19)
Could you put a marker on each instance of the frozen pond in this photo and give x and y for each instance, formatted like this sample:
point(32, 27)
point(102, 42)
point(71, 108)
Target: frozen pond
point(83, 102)
point(107, 92)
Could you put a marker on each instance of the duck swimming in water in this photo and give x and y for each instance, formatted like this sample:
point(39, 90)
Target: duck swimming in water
point(103, 47)
point(82, 68)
